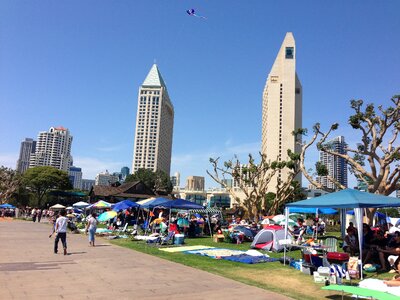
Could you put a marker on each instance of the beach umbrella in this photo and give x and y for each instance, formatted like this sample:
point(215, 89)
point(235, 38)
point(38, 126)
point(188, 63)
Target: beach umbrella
point(101, 204)
point(282, 222)
point(57, 206)
point(80, 204)
point(105, 216)
point(69, 208)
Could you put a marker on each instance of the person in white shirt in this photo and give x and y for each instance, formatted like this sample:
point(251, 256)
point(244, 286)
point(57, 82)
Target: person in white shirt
point(61, 231)
point(91, 228)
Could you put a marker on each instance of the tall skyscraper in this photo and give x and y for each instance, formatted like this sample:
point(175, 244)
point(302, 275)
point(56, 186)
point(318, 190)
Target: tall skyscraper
point(282, 107)
point(337, 167)
point(53, 148)
point(154, 125)
point(124, 173)
point(27, 148)
point(75, 177)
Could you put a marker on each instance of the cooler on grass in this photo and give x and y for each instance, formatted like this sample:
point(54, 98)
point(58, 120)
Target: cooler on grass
point(179, 239)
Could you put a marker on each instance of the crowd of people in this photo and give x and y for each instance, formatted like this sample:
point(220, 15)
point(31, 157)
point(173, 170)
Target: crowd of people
point(381, 245)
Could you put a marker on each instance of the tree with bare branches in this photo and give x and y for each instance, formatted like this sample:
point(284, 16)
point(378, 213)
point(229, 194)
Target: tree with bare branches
point(375, 160)
point(9, 183)
point(254, 179)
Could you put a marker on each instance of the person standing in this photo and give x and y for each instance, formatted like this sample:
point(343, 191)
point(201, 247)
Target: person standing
point(34, 215)
point(61, 232)
point(91, 228)
point(39, 214)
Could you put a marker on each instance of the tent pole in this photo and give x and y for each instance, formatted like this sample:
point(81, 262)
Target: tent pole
point(358, 212)
point(209, 225)
point(286, 232)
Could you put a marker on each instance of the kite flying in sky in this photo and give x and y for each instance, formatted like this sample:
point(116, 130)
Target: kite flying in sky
point(191, 12)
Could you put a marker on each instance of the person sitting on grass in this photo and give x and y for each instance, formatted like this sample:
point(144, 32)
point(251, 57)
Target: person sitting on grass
point(377, 241)
point(393, 248)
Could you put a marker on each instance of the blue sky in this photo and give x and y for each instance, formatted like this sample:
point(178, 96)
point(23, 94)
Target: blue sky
point(79, 64)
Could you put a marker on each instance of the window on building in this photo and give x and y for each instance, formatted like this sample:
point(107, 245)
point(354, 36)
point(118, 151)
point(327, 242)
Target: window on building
point(289, 53)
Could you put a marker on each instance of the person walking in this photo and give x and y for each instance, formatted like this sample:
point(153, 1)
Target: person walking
point(61, 232)
point(91, 228)
point(39, 214)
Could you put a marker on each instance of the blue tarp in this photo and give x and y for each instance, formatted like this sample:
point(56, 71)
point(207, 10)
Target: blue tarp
point(6, 205)
point(348, 199)
point(125, 204)
point(248, 259)
point(181, 204)
point(313, 210)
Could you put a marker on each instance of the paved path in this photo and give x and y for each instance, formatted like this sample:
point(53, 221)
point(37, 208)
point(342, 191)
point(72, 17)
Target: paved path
point(30, 270)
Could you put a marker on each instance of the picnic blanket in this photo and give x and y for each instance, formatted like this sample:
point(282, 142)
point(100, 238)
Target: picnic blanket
point(249, 259)
point(186, 248)
point(216, 252)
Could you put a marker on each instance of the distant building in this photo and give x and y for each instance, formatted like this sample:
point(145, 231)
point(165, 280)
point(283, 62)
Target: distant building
point(337, 166)
point(195, 183)
point(176, 180)
point(227, 182)
point(105, 179)
point(124, 173)
point(154, 125)
point(282, 108)
point(27, 148)
point(312, 193)
point(87, 184)
point(53, 148)
point(75, 177)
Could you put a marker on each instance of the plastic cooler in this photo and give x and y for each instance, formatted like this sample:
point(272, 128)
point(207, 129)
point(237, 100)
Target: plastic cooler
point(179, 239)
point(337, 257)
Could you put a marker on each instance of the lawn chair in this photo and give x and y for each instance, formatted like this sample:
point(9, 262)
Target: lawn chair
point(123, 230)
point(331, 242)
point(163, 240)
point(167, 240)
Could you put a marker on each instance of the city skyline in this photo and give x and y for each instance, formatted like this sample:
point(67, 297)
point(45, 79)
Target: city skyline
point(215, 69)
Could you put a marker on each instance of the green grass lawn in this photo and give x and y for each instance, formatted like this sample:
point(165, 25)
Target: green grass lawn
point(271, 276)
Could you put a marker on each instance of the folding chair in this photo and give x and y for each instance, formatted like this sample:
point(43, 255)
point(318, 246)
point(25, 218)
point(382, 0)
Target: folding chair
point(165, 240)
point(331, 242)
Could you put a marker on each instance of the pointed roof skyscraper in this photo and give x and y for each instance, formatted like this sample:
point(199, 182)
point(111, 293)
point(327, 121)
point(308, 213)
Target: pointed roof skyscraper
point(154, 78)
point(154, 125)
point(282, 107)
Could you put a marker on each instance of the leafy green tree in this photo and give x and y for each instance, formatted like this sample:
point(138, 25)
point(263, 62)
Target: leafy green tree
point(159, 182)
point(376, 158)
point(9, 183)
point(41, 180)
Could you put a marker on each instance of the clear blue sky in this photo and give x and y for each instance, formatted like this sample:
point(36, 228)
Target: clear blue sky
point(79, 64)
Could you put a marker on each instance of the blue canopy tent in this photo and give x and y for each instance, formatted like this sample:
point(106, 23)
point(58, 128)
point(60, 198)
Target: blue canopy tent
point(347, 198)
point(181, 204)
point(313, 210)
point(156, 202)
point(124, 204)
point(6, 205)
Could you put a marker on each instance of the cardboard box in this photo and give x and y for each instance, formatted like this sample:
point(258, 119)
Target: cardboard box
point(218, 238)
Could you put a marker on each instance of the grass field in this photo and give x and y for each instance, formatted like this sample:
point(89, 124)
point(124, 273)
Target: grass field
point(271, 276)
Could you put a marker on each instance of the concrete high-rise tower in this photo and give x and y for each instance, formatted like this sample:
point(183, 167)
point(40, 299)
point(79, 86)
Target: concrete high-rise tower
point(337, 166)
point(154, 125)
point(53, 148)
point(27, 148)
point(282, 107)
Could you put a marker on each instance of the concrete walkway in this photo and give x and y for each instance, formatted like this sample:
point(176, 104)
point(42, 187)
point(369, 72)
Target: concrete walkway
point(30, 270)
